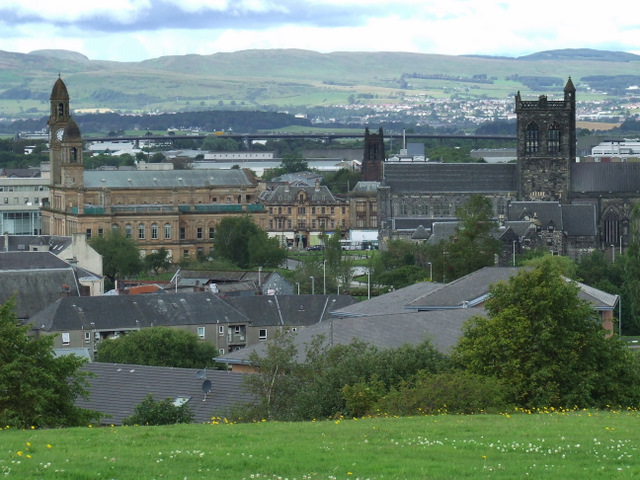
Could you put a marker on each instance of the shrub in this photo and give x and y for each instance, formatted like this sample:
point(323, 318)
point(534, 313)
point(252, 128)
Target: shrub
point(163, 412)
point(455, 392)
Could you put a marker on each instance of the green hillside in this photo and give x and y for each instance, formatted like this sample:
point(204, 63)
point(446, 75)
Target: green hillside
point(288, 79)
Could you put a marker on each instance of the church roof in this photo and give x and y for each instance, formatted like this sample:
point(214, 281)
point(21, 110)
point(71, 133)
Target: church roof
point(450, 177)
point(72, 131)
point(165, 178)
point(605, 177)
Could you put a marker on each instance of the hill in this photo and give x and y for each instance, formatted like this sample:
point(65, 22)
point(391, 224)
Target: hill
point(294, 80)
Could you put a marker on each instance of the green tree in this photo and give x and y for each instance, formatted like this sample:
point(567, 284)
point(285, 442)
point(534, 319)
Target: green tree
point(161, 412)
point(120, 255)
point(631, 282)
point(241, 241)
point(38, 389)
point(472, 247)
point(158, 260)
point(158, 346)
point(547, 345)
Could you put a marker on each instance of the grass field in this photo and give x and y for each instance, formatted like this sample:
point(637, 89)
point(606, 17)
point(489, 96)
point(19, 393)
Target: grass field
point(550, 445)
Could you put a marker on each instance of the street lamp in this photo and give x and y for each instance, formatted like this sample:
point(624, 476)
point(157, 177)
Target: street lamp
point(313, 285)
point(430, 271)
point(324, 277)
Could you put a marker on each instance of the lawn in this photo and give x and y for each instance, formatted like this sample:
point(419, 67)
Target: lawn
point(550, 445)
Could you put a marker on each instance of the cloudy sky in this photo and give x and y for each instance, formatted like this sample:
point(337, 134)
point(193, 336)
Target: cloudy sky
point(133, 30)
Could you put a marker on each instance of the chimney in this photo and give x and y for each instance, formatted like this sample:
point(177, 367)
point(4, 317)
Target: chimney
point(317, 184)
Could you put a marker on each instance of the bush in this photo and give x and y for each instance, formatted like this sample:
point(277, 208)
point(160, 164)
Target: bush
point(163, 412)
point(455, 392)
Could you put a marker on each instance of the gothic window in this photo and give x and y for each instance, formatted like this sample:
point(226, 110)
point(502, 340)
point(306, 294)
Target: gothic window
point(553, 140)
point(531, 139)
point(611, 227)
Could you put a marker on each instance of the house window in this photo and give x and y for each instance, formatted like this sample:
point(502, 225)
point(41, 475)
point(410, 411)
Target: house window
point(128, 231)
point(154, 231)
point(211, 232)
point(167, 231)
point(183, 233)
point(141, 231)
point(101, 232)
point(199, 232)
point(221, 351)
point(88, 233)
point(87, 337)
point(201, 333)
point(221, 330)
point(66, 338)
point(262, 334)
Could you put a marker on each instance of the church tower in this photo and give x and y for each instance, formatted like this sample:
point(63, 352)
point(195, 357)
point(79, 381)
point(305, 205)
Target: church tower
point(373, 156)
point(546, 146)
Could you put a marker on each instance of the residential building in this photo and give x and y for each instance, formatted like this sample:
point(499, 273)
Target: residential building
point(21, 194)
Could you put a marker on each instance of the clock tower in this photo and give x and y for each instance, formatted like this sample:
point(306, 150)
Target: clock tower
point(65, 141)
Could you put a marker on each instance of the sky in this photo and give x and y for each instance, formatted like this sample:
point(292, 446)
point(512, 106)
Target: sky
point(135, 30)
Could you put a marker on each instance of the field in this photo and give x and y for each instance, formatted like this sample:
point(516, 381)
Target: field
point(544, 445)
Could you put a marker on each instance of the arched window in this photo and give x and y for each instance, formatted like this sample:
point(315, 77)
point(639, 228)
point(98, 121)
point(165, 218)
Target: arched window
point(154, 231)
point(531, 139)
point(61, 109)
point(141, 231)
point(128, 231)
point(553, 139)
point(74, 155)
point(611, 228)
point(167, 231)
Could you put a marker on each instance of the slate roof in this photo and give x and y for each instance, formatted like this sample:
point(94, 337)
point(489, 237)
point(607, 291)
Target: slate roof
point(605, 177)
point(166, 178)
point(37, 279)
point(121, 312)
point(289, 310)
point(117, 388)
point(286, 195)
point(118, 312)
point(388, 303)
point(473, 289)
point(574, 219)
point(442, 328)
point(450, 177)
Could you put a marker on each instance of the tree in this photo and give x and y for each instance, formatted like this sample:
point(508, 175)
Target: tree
point(472, 247)
point(241, 241)
point(158, 260)
point(161, 412)
point(38, 389)
point(120, 255)
point(158, 346)
point(547, 345)
point(631, 283)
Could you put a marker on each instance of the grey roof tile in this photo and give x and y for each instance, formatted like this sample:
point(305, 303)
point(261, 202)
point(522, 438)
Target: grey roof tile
point(165, 178)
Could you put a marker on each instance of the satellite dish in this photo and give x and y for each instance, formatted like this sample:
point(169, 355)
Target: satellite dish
point(201, 374)
point(206, 386)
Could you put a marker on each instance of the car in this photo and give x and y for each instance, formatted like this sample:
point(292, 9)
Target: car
point(314, 248)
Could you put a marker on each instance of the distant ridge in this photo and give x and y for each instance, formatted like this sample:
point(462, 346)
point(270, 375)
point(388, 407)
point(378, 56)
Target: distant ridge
point(583, 54)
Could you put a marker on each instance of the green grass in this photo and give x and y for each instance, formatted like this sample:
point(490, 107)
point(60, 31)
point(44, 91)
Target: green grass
point(543, 445)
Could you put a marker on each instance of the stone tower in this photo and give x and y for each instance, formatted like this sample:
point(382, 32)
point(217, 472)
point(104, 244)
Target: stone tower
point(373, 156)
point(65, 141)
point(546, 146)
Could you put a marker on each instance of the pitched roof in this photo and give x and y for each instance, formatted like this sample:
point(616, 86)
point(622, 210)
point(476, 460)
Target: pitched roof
point(283, 194)
point(37, 279)
point(605, 177)
point(116, 389)
point(25, 243)
point(166, 178)
point(450, 177)
point(442, 328)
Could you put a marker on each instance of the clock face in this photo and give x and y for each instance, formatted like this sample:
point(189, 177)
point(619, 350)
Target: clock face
point(60, 134)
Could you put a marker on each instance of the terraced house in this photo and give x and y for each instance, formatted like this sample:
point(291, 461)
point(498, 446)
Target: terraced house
point(174, 209)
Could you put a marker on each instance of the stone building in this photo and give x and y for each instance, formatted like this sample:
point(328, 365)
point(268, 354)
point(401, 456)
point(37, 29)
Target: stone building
point(572, 207)
point(177, 210)
point(300, 215)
